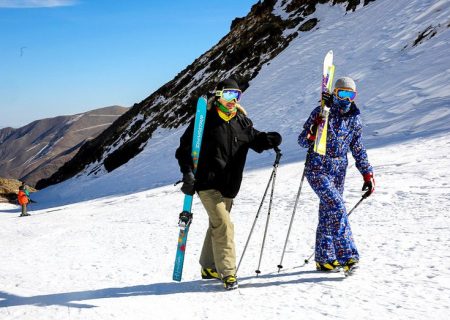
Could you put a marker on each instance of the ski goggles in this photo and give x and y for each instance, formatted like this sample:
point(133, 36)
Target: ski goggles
point(345, 94)
point(229, 94)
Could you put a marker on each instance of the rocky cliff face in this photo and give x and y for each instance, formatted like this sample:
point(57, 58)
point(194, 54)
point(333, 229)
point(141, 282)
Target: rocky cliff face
point(37, 150)
point(252, 41)
point(9, 189)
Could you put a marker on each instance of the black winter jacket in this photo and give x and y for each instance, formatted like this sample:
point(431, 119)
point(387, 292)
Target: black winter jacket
point(223, 152)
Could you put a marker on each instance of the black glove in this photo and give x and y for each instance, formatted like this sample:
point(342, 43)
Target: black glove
point(188, 183)
point(327, 98)
point(369, 184)
point(274, 139)
point(210, 94)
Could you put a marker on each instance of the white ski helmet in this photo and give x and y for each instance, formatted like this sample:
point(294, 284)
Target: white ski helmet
point(345, 82)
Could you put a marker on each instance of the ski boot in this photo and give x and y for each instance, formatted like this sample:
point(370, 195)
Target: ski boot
point(230, 282)
point(350, 266)
point(329, 266)
point(210, 273)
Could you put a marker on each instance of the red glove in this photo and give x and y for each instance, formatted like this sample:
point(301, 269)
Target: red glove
point(369, 184)
point(312, 131)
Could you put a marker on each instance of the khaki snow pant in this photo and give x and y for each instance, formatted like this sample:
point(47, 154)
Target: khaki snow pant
point(218, 248)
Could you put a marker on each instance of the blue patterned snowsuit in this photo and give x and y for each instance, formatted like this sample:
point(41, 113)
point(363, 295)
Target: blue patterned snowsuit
point(326, 175)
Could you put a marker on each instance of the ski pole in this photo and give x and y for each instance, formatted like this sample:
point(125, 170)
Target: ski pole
point(254, 222)
point(364, 196)
point(359, 202)
point(257, 214)
point(280, 266)
point(275, 166)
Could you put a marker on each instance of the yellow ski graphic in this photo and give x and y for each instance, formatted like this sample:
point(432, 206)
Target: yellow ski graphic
point(320, 144)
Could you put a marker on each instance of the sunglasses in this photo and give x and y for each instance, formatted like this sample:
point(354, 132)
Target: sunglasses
point(229, 94)
point(345, 94)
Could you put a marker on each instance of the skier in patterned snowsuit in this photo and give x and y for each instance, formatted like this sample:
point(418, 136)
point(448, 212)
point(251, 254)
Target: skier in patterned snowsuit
point(335, 246)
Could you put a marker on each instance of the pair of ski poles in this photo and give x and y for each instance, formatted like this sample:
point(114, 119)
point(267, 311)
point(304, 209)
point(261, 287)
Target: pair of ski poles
point(272, 180)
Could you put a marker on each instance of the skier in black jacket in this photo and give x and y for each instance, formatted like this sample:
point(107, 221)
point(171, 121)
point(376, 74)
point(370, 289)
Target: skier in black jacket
point(227, 136)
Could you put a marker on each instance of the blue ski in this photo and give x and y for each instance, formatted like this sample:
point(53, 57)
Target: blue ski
point(186, 215)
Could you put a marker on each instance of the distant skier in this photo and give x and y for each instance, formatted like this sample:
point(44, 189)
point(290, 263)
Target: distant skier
point(25, 189)
point(227, 137)
point(23, 200)
point(335, 247)
point(27, 192)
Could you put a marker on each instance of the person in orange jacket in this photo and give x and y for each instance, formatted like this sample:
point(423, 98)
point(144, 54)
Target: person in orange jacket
point(23, 201)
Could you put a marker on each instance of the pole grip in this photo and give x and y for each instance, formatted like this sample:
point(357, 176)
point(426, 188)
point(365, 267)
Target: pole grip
point(278, 156)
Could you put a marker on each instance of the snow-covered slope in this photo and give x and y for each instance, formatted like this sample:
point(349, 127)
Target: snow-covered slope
point(112, 258)
point(404, 90)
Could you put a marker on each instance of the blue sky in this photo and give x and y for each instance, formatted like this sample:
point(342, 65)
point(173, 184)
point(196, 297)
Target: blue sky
point(60, 57)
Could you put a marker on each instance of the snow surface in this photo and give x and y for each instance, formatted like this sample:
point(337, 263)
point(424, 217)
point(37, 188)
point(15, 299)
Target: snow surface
point(112, 258)
point(102, 247)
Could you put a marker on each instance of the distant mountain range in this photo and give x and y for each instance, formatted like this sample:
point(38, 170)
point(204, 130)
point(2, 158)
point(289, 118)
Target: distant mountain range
point(37, 150)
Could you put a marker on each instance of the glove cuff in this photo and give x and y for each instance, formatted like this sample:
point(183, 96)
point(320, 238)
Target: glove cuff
point(368, 176)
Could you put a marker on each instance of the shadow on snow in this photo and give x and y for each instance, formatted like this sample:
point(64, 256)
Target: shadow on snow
point(70, 299)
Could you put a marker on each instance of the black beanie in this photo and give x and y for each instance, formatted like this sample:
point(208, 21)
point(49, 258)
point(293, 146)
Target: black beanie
point(227, 84)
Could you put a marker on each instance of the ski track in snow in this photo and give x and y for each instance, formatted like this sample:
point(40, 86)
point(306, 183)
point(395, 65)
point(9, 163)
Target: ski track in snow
point(112, 258)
